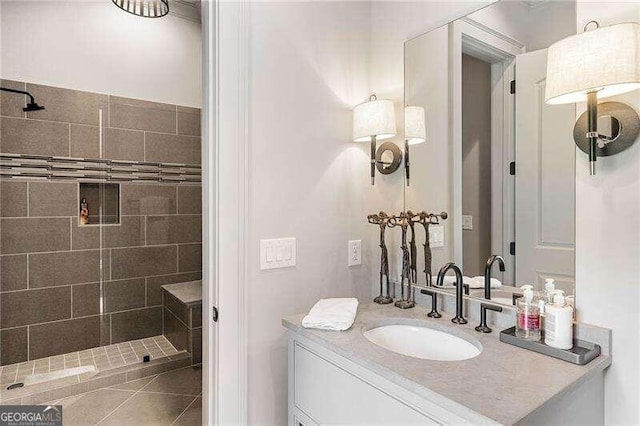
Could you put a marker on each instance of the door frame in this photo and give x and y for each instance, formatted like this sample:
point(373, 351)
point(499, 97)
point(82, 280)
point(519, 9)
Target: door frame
point(225, 145)
point(475, 39)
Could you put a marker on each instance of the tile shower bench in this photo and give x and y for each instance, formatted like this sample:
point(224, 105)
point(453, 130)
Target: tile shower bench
point(182, 317)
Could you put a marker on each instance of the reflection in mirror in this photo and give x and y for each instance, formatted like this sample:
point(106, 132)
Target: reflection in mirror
point(496, 156)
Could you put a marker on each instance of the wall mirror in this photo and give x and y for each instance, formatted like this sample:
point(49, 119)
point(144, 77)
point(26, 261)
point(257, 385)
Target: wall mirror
point(497, 158)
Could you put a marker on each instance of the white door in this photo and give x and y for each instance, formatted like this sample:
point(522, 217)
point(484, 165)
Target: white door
point(545, 180)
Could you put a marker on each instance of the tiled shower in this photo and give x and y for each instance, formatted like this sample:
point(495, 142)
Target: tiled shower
point(68, 287)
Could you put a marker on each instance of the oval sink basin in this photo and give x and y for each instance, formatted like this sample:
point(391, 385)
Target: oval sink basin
point(422, 342)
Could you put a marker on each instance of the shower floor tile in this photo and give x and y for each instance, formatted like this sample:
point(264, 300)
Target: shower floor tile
point(102, 358)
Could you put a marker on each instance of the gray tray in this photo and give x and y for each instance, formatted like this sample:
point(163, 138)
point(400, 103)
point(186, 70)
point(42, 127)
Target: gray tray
point(581, 353)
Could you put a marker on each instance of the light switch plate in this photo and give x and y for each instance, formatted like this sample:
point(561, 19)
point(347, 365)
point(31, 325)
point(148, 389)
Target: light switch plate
point(277, 253)
point(467, 222)
point(355, 253)
point(436, 236)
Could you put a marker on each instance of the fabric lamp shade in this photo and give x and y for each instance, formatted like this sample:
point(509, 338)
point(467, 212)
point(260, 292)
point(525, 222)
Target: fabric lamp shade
point(415, 131)
point(606, 60)
point(374, 118)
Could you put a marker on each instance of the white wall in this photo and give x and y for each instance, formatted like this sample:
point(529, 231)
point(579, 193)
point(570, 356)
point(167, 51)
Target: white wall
point(96, 47)
point(608, 245)
point(308, 66)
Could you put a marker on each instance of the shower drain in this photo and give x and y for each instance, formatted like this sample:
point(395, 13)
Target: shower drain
point(15, 386)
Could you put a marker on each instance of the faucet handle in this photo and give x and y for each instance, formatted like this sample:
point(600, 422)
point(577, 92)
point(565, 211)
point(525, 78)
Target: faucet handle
point(466, 289)
point(514, 297)
point(434, 303)
point(483, 327)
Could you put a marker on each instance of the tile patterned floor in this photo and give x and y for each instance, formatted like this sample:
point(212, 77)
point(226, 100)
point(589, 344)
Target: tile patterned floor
point(171, 398)
point(103, 358)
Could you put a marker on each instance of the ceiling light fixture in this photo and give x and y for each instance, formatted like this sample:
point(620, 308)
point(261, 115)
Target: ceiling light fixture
point(144, 8)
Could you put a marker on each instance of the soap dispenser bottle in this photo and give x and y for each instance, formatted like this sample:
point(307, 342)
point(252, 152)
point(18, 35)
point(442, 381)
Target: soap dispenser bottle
point(549, 289)
point(546, 299)
point(558, 328)
point(528, 315)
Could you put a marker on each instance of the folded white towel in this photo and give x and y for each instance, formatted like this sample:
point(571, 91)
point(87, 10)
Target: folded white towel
point(475, 282)
point(450, 281)
point(332, 314)
point(478, 282)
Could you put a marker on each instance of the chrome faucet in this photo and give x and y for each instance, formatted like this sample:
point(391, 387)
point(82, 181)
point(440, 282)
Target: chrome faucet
point(487, 274)
point(459, 319)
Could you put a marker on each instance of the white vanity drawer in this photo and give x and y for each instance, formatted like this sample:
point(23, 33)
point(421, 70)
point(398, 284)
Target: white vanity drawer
point(330, 394)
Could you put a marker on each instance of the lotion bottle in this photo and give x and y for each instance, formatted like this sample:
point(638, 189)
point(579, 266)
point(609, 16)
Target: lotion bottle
point(558, 328)
point(528, 315)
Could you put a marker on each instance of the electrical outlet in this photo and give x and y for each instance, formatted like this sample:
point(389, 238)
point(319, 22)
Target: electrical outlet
point(355, 253)
point(277, 253)
point(467, 222)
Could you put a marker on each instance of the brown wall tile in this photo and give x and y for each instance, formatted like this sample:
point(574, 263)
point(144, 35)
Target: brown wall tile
point(65, 336)
point(189, 199)
point(174, 229)
point(148, 199)
point(11, 104)
point(142, 261)
point(19, 136)
point(13, 346)
point(85, 141)
point(189, 257)
point(123, 144)
point(13, 272)
point(154, 292)
point(69, 106)
point(176, 307)
point(35, 306)
point(84, 237)
point(124, 294)
point(196, 345)
point(167, 148)
point(64, 268)
point(175, 331)
point(136, 324)
point(196, 317)
point(129, 233)
point(53, 199)
point(85, 299)
point(13, 199)
point(34, 235)
point(142, 115)
point(188, 121)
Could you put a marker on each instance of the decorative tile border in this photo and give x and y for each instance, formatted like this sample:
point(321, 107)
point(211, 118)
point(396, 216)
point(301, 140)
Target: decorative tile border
point(93, 170)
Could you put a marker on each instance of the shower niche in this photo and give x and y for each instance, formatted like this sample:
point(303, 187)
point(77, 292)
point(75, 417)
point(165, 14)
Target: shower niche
point(99, 204)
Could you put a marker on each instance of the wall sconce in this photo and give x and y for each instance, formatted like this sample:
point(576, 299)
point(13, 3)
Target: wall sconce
point(372, 121)
point(415, 132)
point(593, 65)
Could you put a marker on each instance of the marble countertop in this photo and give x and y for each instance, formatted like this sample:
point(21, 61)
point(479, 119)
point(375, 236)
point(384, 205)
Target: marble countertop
point(504, 383)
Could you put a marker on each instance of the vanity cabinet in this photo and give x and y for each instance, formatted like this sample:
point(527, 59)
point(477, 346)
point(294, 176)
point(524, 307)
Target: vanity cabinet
point(326, 388)
point(329, 387)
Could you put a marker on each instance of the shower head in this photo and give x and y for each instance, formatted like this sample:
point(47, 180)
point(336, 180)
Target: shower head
point(31, 105)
